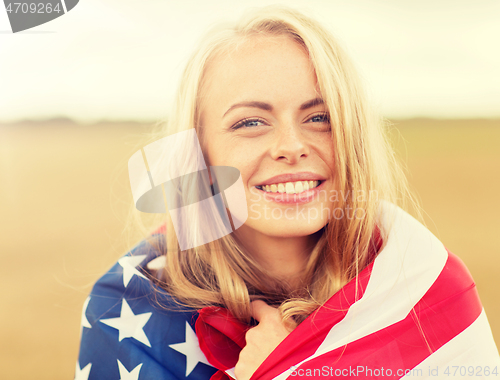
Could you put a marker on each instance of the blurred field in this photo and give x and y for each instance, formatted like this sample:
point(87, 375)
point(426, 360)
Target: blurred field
point(64, 197)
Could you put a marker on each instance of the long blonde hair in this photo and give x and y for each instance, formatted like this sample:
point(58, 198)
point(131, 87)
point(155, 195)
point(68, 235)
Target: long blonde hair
point(223, 272)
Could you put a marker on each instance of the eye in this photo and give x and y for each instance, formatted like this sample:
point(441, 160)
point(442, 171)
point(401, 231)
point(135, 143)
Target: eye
point(321, 122)
point(320, 118)
point(248, 123)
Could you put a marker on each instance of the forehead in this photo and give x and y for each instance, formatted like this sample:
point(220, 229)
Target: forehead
point(260, 67)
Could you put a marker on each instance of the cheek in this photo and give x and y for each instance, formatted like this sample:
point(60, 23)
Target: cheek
point(246, 167)
point(215, 150)
point(327, 153)
point(236, 158)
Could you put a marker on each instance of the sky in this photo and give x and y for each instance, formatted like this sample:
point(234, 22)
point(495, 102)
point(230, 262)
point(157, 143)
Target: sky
point(121, 59)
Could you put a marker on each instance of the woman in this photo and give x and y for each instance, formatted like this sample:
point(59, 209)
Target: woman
point(325, 275)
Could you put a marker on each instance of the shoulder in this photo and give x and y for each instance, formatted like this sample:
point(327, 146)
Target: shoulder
point(453, 294)
point(129, 323)
point(134, 274)
point(134, 270)
point(130, 282)
point(455, 277)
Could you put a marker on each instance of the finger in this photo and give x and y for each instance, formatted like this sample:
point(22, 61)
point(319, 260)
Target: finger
point(261, 310)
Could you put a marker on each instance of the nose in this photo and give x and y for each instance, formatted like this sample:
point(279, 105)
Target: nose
point(289, 145)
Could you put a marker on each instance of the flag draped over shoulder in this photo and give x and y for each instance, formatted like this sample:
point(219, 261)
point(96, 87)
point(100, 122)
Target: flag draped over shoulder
point(132, 330)
point(413, 312)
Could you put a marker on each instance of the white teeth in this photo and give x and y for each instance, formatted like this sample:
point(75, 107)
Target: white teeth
point(299, 188)
point(290, 187)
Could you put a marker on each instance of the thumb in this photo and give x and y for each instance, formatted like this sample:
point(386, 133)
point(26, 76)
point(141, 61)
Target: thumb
point(261, 310)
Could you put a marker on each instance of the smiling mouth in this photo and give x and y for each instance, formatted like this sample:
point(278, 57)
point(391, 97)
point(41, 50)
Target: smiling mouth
point(290, 187)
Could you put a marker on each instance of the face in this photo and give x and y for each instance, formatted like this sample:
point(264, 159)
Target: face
point(263, 114)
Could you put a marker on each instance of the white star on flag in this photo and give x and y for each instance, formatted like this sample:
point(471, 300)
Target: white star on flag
point(85, 321)
point(128, 264)
point(191, 349)
point(129, 324)
point(82, 374)
point(126, 375)
point(158, 263)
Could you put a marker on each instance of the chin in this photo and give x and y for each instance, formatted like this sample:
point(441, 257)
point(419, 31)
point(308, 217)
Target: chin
point(287, 228)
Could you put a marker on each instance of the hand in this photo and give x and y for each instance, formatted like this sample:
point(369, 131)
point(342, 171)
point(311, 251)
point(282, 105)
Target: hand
point(261, 340)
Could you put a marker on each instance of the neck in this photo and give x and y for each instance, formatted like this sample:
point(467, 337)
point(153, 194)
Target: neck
point(284, 258)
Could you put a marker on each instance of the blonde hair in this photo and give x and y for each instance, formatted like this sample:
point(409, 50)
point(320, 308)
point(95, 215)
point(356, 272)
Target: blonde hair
point(222, 272)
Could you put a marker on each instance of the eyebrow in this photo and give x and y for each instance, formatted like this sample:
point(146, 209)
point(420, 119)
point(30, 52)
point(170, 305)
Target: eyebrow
point(267, 107)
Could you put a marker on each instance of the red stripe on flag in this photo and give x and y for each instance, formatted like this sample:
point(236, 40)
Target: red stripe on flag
point(221, 337)
point(448, 308)
point(306, 338)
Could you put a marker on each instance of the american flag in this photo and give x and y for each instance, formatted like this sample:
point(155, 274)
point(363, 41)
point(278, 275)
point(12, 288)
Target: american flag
point(127, 331)
point(413, 312)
